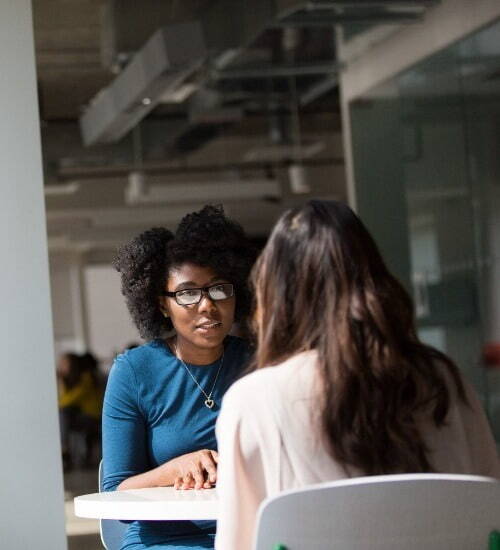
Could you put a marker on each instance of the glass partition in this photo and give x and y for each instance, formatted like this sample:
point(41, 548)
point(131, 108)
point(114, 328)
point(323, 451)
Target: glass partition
point(426, 150)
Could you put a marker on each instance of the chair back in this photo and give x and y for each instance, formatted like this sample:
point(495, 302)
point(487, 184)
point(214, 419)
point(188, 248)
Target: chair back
point(112, 531)
point(431, 511)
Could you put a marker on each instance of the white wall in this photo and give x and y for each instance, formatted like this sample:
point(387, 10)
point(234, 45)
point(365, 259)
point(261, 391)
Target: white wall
point(110, 326)
point(89, 310)
point(68, 301)
point(65, 338)
point(31, 489)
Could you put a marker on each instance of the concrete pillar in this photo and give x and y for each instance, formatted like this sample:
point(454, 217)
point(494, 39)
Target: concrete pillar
point(31, 488)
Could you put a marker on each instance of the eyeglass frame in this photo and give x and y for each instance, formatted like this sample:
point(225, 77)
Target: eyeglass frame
point(204, 290)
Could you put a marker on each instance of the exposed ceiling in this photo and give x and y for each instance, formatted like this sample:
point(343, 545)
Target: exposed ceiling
point(263, 98)
point(68, 54)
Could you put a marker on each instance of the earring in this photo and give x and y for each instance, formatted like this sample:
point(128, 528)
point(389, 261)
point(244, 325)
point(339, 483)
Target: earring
point(165, 314)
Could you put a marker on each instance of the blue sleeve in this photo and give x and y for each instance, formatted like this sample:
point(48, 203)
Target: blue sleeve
point(123, 427)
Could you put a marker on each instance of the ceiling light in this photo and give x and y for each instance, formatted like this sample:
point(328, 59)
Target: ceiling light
point(63, 189)
point(135, 188)
point(136, 191)
point(297, 176)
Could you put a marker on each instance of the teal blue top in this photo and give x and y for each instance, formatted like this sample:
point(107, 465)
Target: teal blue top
point(153, 412)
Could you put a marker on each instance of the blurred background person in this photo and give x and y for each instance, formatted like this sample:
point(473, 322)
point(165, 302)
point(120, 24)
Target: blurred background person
point(80, 405)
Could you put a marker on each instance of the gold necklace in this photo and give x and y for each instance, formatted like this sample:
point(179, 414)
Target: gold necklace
point(209, 402)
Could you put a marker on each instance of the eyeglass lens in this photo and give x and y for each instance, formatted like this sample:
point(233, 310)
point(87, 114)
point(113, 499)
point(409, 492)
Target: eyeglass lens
point(193, 295)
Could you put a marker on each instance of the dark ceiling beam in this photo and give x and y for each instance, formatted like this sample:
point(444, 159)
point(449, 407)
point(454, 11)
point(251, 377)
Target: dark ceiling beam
point(276, 71)
point(98, 172)
point(343, 19)
point(322, 4)
point(358, 11)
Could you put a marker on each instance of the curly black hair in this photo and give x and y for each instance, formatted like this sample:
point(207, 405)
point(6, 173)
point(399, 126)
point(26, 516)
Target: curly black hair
point(206, 238)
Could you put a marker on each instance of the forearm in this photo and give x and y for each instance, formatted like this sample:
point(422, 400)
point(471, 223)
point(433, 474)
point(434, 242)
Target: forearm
point(195, 470)
point(162, 476)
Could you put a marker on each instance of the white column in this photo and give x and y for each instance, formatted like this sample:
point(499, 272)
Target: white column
point(31, 488)
point(78, 301)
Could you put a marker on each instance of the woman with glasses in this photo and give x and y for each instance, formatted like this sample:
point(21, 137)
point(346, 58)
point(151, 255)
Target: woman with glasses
point(344, 387)
point(162, 399)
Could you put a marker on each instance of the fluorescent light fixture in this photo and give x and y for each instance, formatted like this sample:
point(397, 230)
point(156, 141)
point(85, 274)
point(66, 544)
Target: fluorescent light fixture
point(200, 192)
point(63, 189)
point(297, 176)
point(135, 188)
point(276, 153)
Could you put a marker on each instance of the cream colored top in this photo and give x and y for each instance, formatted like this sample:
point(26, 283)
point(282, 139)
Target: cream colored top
point(268, 443)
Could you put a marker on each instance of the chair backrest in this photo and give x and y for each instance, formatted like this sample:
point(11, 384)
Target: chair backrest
point(413, 512)
point(112, 530)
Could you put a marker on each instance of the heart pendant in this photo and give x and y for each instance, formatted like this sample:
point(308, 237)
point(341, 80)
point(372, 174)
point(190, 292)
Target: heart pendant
point(209, 403)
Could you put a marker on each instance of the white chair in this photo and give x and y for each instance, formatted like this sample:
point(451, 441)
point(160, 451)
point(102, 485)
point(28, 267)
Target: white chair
point(410, 512)
point(112, 531)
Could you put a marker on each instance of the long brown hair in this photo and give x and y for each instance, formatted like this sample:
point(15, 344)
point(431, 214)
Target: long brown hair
point(321, 284)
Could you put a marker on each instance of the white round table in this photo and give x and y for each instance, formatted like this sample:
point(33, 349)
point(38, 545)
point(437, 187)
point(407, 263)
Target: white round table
point(159, 503)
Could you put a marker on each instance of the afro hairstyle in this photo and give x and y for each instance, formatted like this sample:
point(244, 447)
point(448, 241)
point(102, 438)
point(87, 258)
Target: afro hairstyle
point(206, 238)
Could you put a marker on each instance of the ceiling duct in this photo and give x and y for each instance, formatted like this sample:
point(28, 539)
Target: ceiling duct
point(166, 69)
point(126, 25)
point(163, 65)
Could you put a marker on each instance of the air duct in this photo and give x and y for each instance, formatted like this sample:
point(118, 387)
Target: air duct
point(162, 66)
point(166, 69)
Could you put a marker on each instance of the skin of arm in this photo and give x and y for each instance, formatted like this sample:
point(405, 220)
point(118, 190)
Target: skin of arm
point(197, 470)
point(124, 444)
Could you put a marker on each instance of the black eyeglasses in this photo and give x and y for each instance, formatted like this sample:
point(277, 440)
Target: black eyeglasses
point(190, 296)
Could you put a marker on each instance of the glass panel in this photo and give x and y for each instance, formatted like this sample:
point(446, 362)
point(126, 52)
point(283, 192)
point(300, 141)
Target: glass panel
point(426, 150)
point(480, 81)
point(439, 203)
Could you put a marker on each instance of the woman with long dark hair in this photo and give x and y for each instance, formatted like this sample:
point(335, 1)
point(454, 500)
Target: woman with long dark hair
point(344, 387)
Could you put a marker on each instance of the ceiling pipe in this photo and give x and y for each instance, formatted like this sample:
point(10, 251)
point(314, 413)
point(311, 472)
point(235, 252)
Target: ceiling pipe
point(276, 71)
point(410, 4)
point(342, 19)
point(103, 172)
point(177, 55)
point(319, 89)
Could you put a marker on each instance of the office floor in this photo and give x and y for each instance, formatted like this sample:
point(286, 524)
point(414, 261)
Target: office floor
point(83, 534)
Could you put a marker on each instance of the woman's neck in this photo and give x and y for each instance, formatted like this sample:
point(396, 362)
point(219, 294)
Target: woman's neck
point(194, 355)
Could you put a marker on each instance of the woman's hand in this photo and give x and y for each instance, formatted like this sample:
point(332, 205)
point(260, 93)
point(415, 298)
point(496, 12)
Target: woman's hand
point(196, 470)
